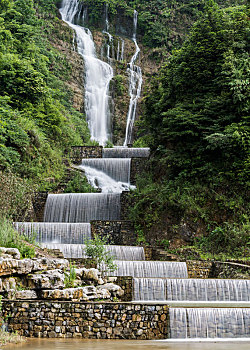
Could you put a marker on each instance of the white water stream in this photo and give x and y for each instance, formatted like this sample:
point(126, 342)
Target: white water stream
point(98, 75)
point(135, 87)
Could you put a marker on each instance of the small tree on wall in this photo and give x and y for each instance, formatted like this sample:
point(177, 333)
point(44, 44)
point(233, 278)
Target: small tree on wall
point(95, 249)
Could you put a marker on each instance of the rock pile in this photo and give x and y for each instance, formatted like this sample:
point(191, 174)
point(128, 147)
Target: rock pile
point(45, 278)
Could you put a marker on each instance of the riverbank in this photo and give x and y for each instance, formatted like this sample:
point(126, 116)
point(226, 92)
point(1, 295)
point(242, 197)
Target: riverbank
point(10, 338)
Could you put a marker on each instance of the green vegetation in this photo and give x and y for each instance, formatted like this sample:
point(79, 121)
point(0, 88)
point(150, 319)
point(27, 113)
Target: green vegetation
point(37, 122)
point(196, 114)
point(79, 184)
point(9, 238)
point(70, 277)
point(95, 250)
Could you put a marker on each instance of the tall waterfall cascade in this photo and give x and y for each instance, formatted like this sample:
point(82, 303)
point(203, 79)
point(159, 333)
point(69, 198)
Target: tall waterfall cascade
point(67, 217)
point(135, 86)
point(98, 75)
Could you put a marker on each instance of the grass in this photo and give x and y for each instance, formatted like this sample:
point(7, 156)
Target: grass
point(7, 338)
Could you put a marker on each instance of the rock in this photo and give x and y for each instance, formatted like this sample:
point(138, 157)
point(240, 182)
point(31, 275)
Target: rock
point(21, 294)
point(91, 274)
point(53, 279)
point(65, 294)
point(50, 264)
point(13, 253)
point(115, 290)
point(13, 266)
point(7, 283)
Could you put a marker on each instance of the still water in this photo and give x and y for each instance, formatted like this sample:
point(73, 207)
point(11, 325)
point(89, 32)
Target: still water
point(69, 344)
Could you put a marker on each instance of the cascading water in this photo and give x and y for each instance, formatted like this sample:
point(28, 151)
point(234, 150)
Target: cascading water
point(76, 251)
point(125, 152)
point(55, 232)
point(160, 269)
point(82, 207)
point(209, 322)
point(117, 169)
point(98, 75)
point(135, 87)
point(110, 37)
point(149, 289)
point(208, 290)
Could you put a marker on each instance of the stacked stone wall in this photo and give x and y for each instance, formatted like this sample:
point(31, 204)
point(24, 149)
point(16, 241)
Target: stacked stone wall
point(117, 232)
point(138, 166)
point(44, 319)
point(39, 205)
point(79, 152)
point(199, 269)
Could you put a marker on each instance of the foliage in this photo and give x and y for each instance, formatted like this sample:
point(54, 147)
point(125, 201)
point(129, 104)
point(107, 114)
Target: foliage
point(70, 277)
point(229, 238)
point(37, 122)
point(10, 238)
point(79, 184)
point(96, 251)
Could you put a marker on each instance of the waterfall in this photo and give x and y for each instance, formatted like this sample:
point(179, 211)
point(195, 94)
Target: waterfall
point(98, 75)
point(82, 207)
point(209, 323)
point(149, 289)
point(160, 269)
point(125, 152)
point(135, 87)
point(117, 169)
point(208, 290)
point(106, 31)
point(76, 251)
point(55, 232)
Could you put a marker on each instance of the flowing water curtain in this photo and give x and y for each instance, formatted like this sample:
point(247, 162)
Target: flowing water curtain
point(161, 269)
point(55, 232)
point(149, 289)
point(77, 251)
point(209, 322)
point(208, 290)
point(98, 74)
point(82, 207)
point(124, 152)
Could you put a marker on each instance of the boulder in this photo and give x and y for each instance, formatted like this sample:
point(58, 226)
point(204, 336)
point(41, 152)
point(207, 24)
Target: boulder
point(14, 266)
point(65, 294)
point(114, 289)
point(7, 283)
point(53, 279)
point(12, 253)
point(21, 294)
point(50, 264)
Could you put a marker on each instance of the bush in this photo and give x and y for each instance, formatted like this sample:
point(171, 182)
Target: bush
point(96, 251)
point(10, 238)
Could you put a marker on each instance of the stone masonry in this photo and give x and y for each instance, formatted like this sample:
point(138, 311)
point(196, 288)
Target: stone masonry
point(62, 319)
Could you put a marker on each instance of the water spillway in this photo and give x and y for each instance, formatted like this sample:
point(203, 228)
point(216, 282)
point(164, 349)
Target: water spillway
point(191, 289)
point(160, 269)
point(98, 74)
point(82, 207)
point(77, 251)
point(117, 169)
point(55, 232)
point(208, 290)
point(209, 322)
point(125, 152)
point(149, 289)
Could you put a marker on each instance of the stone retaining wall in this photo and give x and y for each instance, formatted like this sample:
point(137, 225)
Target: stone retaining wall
point(199, 269)
point(138, 165)
point(117, 232)
point(39, 205)
point(79, 152)
point(62, 319)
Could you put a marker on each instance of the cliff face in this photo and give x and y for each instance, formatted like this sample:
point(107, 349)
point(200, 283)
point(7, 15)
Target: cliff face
point(63, 41)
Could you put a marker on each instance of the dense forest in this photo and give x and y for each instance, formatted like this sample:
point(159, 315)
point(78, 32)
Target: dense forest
point(194, 116)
